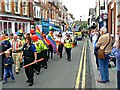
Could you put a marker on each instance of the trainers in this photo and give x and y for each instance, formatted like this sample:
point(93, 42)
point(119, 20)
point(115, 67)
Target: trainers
point(30, 84)
point(37, 73)
point(13, 81)
point(27, 81)
point(4, 82)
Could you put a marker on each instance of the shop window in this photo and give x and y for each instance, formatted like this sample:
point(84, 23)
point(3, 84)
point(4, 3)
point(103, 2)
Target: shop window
point(9, 28)
point(23, 27)
point(5, 27)
point(19, 26)
point(16, 27)
point(7, 5)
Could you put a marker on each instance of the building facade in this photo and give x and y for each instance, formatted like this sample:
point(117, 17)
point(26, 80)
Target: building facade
point(26, 14)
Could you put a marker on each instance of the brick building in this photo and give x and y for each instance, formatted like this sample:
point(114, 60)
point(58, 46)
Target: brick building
point(14, 16)
point(113, 10)
point(26, 14)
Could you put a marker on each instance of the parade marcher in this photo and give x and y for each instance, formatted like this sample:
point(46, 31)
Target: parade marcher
point(20, 36)
point(44, 55)
point(68, 46)
point(11, 37)
point(16, 51)
point(8, 61)
point(7, 43)
point(50, 48)
point(104, 43)
point(29, 55)
point(39, 48)
point(2, 49)
point(60, 45)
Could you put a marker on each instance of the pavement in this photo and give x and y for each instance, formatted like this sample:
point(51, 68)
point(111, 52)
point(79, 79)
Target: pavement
point(95, 75)
point(60, 73)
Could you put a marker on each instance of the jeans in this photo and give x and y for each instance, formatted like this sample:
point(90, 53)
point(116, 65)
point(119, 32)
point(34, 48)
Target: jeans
point(6, 72)
point(118, 80)
point(103, 66)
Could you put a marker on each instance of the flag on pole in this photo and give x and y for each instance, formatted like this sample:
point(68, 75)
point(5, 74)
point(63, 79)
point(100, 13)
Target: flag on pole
point(53, 43)
point(40, 36)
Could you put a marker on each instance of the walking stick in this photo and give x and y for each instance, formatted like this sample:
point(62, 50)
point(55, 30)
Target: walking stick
point(33, 63)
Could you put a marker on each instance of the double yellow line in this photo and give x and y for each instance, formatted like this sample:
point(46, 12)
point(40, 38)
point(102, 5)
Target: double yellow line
point(82, 65)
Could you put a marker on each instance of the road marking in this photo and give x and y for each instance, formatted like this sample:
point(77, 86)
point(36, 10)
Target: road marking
point(84, 70)
point(79, 70)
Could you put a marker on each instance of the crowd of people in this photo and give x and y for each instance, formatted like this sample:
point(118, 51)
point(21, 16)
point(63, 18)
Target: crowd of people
point(106, 49)
point(21, 49)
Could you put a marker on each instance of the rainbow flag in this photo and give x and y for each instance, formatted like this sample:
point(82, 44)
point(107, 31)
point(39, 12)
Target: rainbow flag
point(39, 33)
point(3, 39)
point(19, 31)
point(73, 25)
point(40, 36)
point(53, 43)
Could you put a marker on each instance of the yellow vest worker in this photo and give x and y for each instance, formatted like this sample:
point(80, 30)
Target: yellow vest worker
point(68, 47)
point(39, 48)
point(44, 55)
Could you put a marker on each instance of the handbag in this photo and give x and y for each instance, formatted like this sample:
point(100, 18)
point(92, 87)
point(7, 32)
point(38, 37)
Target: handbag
point(101, 52)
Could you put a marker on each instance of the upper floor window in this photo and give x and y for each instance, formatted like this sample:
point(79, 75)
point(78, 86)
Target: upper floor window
point(34, 11)
point(7, 5)
point(24, 6)
point(17, 6)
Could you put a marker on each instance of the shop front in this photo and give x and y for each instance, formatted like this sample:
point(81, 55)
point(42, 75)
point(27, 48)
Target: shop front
point(45, 25)
point(13, 24)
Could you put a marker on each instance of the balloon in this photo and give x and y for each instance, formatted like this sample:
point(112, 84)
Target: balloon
point(50, 27)
point(32, 31)
point(34, 38)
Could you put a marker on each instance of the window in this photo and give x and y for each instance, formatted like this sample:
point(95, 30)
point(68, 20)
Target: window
point(24, 6)
point(7, 5)
point(17, 6)
point(34, 11)
point(37, 13)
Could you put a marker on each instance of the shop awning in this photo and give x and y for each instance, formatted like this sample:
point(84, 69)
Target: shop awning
point(57, 29)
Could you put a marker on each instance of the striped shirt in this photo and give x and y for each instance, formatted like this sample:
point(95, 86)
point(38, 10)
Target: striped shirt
point(16, 45)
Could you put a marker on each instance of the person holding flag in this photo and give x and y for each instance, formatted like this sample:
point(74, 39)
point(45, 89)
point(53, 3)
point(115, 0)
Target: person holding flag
point(29, 55)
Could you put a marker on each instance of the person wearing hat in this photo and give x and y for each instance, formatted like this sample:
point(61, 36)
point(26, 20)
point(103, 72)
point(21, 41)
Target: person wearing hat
point(8, 61)
point(29, 55)
point(68, 46)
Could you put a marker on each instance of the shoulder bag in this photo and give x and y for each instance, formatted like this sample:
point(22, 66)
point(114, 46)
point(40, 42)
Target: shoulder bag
point(101, 53)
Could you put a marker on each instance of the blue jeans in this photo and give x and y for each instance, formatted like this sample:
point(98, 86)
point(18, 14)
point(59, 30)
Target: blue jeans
point(118, 80)
point(103, 68)
point(6, 71)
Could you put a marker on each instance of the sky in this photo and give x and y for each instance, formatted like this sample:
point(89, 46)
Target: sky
point(79, 8)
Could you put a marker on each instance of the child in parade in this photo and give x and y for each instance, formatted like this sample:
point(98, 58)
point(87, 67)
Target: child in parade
point(8, 61)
